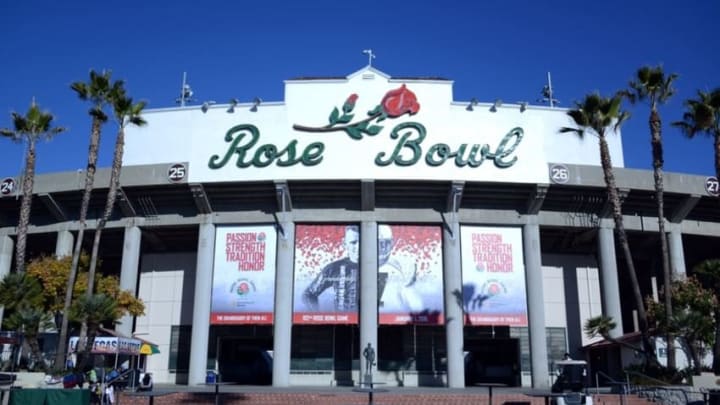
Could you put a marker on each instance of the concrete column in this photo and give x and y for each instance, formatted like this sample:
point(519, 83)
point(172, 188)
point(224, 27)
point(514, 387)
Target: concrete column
point(6, 259)
point(201, 305)
point(129, 272)
point(452, 278)
point(64, 244)
point(368, 291)
point(535, 303)
point(677, 254)
point(282, 323)
point(609, 275)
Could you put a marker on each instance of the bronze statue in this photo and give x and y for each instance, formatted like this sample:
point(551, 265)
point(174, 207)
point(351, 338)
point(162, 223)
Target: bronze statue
point(369, 354)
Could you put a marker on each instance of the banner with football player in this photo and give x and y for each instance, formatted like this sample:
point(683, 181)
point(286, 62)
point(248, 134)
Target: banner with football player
point(326, 274)
point(410, 276)
point(493, 273)
point(244, 275)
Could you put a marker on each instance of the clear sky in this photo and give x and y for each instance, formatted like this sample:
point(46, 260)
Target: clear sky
point(243, 49)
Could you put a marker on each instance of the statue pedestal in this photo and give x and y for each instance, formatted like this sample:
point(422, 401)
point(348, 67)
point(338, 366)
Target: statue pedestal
point(367, 379)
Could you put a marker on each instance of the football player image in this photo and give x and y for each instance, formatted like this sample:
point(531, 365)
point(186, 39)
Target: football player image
point(340, 275)
point(396, 278)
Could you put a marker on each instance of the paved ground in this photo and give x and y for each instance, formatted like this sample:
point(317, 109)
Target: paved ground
point(250, 395)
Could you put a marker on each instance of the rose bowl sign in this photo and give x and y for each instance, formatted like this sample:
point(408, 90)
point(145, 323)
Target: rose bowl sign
point(361, 128)
point(246, 149)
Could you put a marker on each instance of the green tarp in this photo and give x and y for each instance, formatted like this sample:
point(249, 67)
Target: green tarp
point(36, 396)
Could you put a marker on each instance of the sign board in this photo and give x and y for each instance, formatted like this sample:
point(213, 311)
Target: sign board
point(109, 345)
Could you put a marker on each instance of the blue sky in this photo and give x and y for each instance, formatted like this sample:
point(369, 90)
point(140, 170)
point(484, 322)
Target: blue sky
point(491, 49)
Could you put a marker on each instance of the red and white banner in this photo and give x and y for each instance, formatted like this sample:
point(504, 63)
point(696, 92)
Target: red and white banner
point(410, 277)
point(244, 275)
point(493, 274)
point(326, 274)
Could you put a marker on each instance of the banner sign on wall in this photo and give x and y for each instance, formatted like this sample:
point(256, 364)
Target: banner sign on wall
point(493, 275)
point(326, 274)
point(410, 275)
point(244, 275)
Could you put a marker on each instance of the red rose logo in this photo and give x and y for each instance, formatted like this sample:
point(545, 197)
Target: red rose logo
point(243, 288)
point(400, 101)
point(494, 289)
point(394, 104)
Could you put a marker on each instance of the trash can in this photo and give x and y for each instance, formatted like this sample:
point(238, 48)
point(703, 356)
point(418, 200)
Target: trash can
point(211, 377)
point(713, 397)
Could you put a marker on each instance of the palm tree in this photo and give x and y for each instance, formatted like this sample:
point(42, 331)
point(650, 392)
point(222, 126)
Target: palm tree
point(596, 115)
point(97, 90)
point(30, 128)
point(125, 113)
point(654, 86)
point(22, 295)
point(92, 310)
point(703, 116)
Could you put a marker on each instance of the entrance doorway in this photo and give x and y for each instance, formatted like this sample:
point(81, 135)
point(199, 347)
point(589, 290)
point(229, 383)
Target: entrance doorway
point(492, 361)
point(245, 361)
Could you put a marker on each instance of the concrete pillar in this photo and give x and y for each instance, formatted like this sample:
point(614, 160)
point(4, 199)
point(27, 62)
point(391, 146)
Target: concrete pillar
point(535, 303)
point(677, 254)
point(129, 272)
point(368, 291)
point(201, 304)
point(64, 244)
point(282, 321)
point(609, 275)
point(6, 259)
point(454, 314)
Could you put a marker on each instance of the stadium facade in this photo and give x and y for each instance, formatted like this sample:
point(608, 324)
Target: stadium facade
point(462, 241)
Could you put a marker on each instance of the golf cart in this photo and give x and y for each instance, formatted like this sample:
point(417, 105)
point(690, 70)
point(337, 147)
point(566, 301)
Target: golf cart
point(570, 379)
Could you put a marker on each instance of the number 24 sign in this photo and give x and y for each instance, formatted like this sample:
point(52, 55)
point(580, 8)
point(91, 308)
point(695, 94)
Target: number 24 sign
point(7, 186)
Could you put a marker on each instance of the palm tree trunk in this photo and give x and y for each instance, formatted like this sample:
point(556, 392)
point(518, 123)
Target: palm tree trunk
point(716, 137)
point(716, 346)
point(25, 206)
point(657, 154)
point(109, 205)
point(614, 197)
point(36, 353)
point(89, 180)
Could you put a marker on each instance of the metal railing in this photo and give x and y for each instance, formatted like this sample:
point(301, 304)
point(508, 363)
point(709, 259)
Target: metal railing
point(659, 391)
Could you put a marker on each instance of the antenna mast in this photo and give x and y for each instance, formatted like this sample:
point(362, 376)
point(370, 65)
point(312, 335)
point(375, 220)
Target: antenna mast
point(185, 92)
point(547, 93)
point(550, 92)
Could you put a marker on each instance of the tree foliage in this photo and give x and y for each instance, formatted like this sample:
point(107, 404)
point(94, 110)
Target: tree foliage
point(691, 321)
point(53, 273)
point(708, 272)
point(32, 298)
point(21, 295)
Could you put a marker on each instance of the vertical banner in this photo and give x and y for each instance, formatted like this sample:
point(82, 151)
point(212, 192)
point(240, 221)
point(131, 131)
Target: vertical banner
point(244, 275)
point(410, 275)
point(326, 274)
point(493, 274)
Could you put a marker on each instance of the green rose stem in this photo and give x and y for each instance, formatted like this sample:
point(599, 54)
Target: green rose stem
point(331, 128)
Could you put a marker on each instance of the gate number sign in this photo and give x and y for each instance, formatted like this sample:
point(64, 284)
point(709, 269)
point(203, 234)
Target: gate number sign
point(177, 172)
point(7, 186)
point(712, 186)
point(559, 174)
